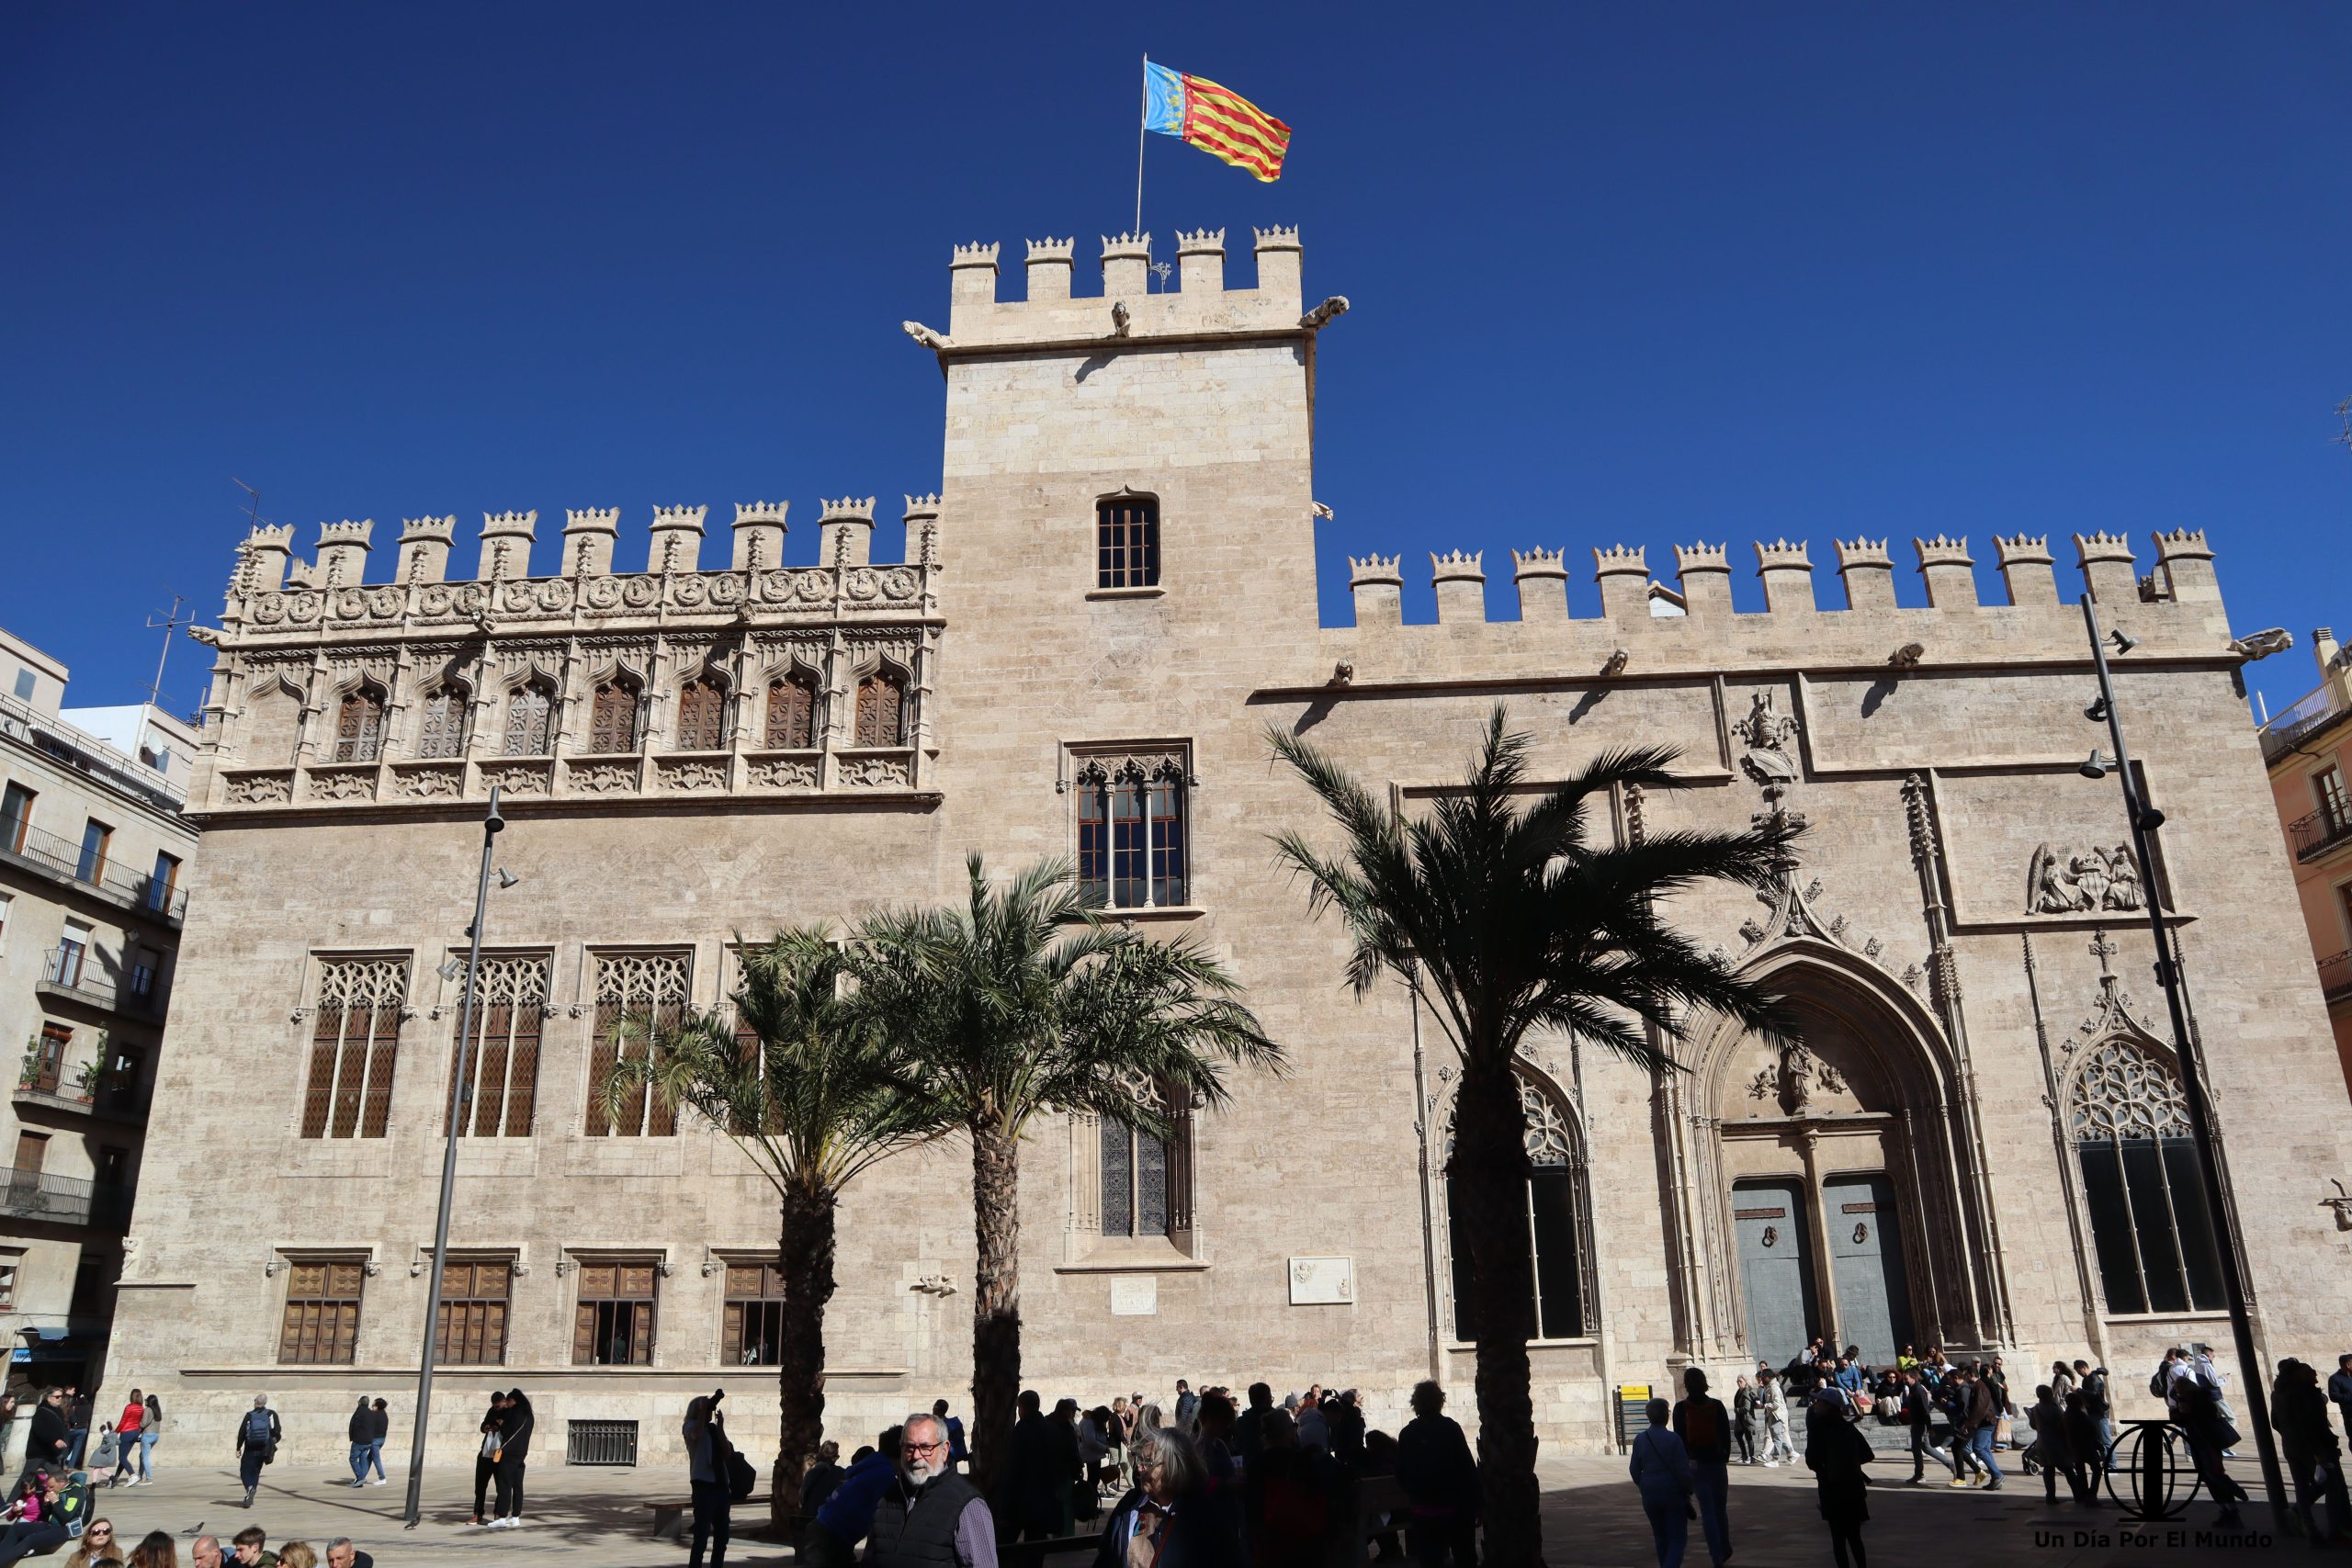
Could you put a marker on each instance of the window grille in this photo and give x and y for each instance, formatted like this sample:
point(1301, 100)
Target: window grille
point(470, 1330)
point(442, 730)
point(2157, 1244)
point(321, 1322)
point(1126, 542)
point(752, 1332)
point(702, 716)
point(531, 720)
point(882, 709)
point(612, 723)
point(360, 725)
point(1144, 1176)
point(613, 1323)
point(600, 1443)
point(1131, 838)
point(648, 990)
point(503, 1067)
point(792, 711)
point(1558, 1222)
point(355, 1042)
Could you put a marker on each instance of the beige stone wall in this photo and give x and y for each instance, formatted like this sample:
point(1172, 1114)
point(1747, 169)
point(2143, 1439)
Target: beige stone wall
point(1965, 758)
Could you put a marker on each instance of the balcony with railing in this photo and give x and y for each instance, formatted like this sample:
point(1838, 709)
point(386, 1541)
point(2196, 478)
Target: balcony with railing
point(63, 860)
point(64, 1200)
point(2322, 830)
point(2335, 977)
point(69, 973)
point(2302, 716)
point(125, 1103)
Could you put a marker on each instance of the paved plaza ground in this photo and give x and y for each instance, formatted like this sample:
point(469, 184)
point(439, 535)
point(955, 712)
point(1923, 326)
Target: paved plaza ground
point(590, 1518)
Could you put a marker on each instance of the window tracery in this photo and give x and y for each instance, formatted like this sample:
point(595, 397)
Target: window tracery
point(1559, 1211)
point(355, 1041)
point(441, 730)
point(882, 709)
point(702, 716)
point(1132, 846)
point(2156, 1241)
point(502, 1069)
point(792, 711)
point(613, 716)
point(359, 725)
point(650, 991)
point(530, 719)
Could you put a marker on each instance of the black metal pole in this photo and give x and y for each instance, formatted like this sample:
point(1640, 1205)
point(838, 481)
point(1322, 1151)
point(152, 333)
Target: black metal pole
point(2145, 823)
point(490, 826)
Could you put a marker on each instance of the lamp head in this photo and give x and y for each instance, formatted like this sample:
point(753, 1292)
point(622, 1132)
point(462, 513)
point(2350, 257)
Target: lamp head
point(2095, 766)
point(2096, 711)
point(450, 967)
point(507, 879)
point(2122, 644)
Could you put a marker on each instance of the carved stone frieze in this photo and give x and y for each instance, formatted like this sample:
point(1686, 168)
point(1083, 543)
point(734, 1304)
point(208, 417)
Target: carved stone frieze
point(600, 778)
point(2059, 883)
point(516, 778)
point(438, 782)
point(690, 773)
point(273, 789)
point(876, 772)
point(784, 773)
point(344, 783)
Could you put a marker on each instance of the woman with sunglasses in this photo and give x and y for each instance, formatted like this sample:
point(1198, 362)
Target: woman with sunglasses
point(97, 1547)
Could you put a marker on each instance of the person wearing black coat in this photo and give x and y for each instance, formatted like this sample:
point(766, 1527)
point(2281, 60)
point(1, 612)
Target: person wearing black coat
point(513, 1448)
point(1835, 1453)
point(492, 1420)
point(50, 1437)
point(1172, 1504)
point(2299, 1414)
point(1440, 1477)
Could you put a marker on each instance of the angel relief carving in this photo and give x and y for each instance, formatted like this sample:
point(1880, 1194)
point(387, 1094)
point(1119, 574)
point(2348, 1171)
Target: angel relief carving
point(1791, 1076)
point(2058, 883)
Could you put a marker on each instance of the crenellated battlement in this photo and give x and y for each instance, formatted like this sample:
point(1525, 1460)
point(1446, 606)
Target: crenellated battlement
point(1131, 303)
point(2181, 596)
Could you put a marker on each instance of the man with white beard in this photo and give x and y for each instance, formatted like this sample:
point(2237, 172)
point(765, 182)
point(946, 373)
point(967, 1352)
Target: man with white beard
point(932, 1516)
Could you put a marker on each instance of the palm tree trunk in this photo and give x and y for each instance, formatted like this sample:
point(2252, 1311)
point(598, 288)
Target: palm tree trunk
point(996, 1297)
point(804, 1251)
point(1489, 1170)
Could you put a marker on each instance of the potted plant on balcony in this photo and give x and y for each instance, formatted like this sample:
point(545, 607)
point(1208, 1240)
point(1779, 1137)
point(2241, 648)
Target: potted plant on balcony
point(89, 1076)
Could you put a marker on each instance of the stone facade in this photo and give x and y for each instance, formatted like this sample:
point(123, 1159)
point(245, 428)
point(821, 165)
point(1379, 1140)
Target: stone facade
point(2308, 744)
point(1964, 1031)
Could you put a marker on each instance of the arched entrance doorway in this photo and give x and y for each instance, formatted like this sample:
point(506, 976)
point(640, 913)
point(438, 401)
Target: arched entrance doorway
point(1830, 1157)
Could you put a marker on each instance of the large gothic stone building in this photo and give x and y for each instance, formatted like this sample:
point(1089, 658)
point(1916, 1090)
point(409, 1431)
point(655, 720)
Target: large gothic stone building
point(1111, 599)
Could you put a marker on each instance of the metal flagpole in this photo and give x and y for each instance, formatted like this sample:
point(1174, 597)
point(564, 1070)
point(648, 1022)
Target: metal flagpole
point(458, 1098)
point(1142, 115)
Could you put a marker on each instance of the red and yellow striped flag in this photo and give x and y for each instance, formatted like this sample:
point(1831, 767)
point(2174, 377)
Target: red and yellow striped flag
point(1215, 120)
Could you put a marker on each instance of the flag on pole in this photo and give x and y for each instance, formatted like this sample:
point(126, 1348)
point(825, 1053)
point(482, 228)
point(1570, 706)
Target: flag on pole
point(1215, 120)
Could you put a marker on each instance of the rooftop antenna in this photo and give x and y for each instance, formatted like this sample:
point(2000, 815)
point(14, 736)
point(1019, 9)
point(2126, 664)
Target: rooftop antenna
point(253, 506)
point(172, 622)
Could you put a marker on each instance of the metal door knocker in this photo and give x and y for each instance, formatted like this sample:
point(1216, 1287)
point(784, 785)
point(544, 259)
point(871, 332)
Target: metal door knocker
point(1861, 1234)
point(1772, 1235)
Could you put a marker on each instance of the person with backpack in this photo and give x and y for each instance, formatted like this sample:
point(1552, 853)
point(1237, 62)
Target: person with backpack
point(257, 1438)
point(706, 1450)
point(2090, 1382)
point(1704, 1427)
point(59, 1509)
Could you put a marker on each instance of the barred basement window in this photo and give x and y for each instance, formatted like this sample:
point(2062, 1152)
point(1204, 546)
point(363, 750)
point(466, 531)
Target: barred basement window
point(470, 1330)
point(441, 731)
point(791, 711)
point(502, 1066)
point(321, 1322)
point(612, 722)
point(882, 709)
point(702, 716)
point(754, 1333)
point(1126, 542)
point(1131, 838)
point(2159, 1248)
point(531, 720)
point(360, 725)
point(644, 991)
point(613, 1325)
point(355, 1043)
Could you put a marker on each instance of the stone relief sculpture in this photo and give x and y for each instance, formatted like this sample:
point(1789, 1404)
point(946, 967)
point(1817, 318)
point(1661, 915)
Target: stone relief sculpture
point(1790, 1079)
point(1767, 733)
point(2058, 883)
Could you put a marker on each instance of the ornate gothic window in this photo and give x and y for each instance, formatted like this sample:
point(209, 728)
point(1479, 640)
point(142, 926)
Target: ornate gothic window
point(2157, 1243)
point(1131, 838)
point(441, 731)
point(1143, 1178)
point(612, 720)
point(882, 709)
point(531, 720)
point(354, 1043)
point(646, 990)
point(503, 1067)
point(792, 711)
point(1126, 542)
point(1558, 1211)
point(359, 725)
point(702, 716)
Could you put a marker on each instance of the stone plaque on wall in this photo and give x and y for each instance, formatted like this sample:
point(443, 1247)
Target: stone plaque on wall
point(1134, 1297)
point(1322, 1281)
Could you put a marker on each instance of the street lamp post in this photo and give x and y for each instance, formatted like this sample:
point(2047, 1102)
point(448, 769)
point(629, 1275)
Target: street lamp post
point(2144, 820)
point(492, 824)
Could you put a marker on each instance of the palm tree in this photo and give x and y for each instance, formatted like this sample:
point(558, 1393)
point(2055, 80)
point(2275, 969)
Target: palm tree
point(1503, 911)
point(1018, 1003)
point(800, 1083)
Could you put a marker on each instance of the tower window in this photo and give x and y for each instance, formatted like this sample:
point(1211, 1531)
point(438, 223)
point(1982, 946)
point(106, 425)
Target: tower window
point(1126, 542)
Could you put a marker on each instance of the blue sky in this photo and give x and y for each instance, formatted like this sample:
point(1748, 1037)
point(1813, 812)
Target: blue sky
point(1622, 273)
